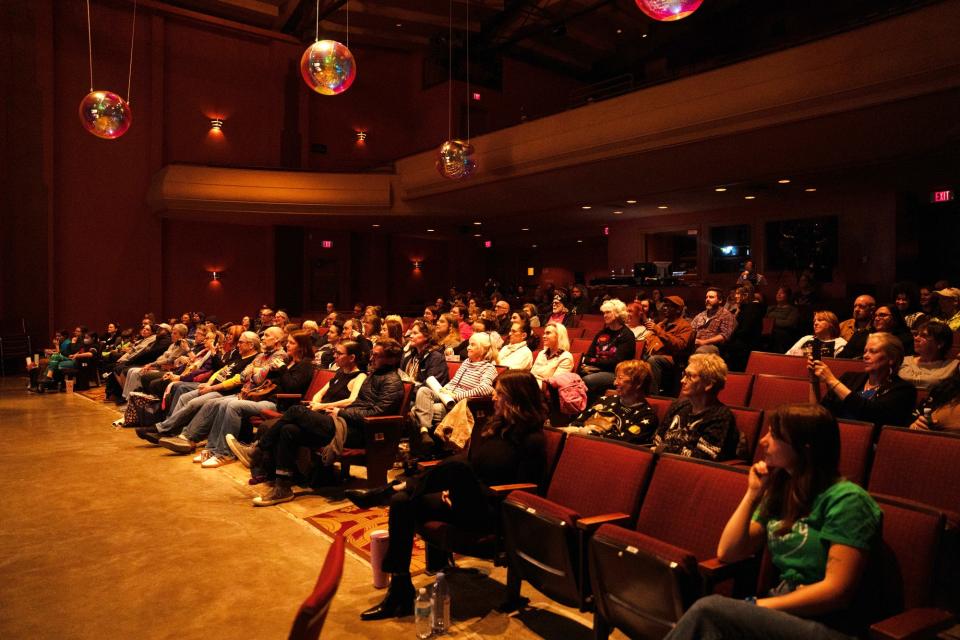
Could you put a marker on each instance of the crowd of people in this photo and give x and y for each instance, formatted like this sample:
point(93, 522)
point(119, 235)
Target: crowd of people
point(205, 378)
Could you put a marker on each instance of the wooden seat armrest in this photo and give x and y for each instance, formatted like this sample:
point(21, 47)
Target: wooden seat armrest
point(382, 419)
point(504, 489)
point(427, 464)
point(912, 624)
point(593, 522)
point(715, 570)
point(288, 396)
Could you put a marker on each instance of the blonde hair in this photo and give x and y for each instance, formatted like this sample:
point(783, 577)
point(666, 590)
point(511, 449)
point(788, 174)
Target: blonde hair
point(617, 307)
point(891, 346)
point(490, 353)
point(831, 318)
point(712, 369)
point(563, 338)
point(394, 317)
point(638, 373)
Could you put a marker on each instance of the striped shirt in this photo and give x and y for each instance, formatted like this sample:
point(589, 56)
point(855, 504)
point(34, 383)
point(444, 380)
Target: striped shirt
point(472, 380)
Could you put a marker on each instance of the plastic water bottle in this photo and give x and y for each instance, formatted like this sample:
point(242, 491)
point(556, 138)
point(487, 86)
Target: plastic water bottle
point(422, 610)
point(441, 605)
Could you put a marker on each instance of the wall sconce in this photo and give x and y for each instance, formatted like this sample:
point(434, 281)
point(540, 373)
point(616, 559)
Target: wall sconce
point(216, 125)
point(361, 137)
point(417, 265)
point(215, 276)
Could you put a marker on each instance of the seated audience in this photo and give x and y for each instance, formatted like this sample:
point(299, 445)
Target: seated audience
point(152, 345)
point(516, 354)
point(941, 410)
point(887, 319)
point(166, 361)
point(204, 363)
point(501, 318)
point(510, 449)
point(750, 276)
point(786, 321)
point(613, 344)
point(697, 424)
point(325, 357)
point(265, 368)
point(863, 308)
point(625, 415)
point(637, 320)
point(555, 357)
point(371, 328)
point(392, 329)
point(559, 313)
point(111, 338)
point(930, 365)
point(474, 379)
point(905, 300)
point(877, 394)
point(826, 336)
point(820, 531)
point(713, 326)
point(668, 346)
point(458, 312)
point(314, 329)
point(532, 313)
point(430, 315)
point(306, 424)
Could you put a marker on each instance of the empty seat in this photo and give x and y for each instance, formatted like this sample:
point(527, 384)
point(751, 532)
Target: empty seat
point(776, 364)
point(595, 481)
point(749, 423)
point(736, 391)
point(769, 392)
point(920, 466)
point(313, 612)
point(580, 345)
point(856, 447)
point(644, 579)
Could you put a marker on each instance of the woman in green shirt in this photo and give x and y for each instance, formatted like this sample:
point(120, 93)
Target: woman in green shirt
point(819, 530)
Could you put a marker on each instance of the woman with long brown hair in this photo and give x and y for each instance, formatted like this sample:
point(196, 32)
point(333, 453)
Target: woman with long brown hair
point(510, 448)
point(818, 527)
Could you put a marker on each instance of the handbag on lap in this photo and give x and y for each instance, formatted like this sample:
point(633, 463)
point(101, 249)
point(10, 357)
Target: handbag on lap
point(143, 410)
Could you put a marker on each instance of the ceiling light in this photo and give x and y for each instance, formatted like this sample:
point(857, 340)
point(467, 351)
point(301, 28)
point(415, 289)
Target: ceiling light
point(478, 223)
point(810, 189)
point(525, 229)
point(662, 206)
point(429, 230)
point(375, 226)
point(644, 36)
point(784, 181)
point(586, 207)
point(399, 24)
point(720, 189)
point(631, 202)
point(580, 241)
point(617, 213)
point(534, 246)
point(477, 235)
point(749, 197)
point(619, 31)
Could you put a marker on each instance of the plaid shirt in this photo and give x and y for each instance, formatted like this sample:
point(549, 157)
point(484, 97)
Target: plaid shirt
point(706, 326)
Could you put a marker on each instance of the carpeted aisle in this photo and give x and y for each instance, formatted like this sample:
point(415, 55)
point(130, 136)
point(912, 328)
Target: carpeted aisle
point(104, 536)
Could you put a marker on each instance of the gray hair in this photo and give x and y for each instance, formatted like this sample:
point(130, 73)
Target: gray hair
point(252, 338)
point(617, 307)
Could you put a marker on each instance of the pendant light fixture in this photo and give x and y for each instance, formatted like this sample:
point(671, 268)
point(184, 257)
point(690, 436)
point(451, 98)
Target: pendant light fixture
point(104, 113)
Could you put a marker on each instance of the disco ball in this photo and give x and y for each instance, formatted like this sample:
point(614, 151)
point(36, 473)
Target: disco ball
point(105, 114)
point(668, 10)
point(328, 67)
point(454, 161)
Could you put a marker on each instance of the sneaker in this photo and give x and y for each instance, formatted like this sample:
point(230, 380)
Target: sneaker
point(203, 456)
point(117, 423)
point(217, 461)
point(276, 495)
point(239, 449)
point(178, 444)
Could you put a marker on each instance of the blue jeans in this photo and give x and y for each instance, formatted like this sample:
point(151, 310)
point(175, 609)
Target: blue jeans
point(718, 618)
point(228, 414)
point(189, 405)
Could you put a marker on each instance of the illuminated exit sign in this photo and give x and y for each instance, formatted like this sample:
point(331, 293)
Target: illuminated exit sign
point(941, 196)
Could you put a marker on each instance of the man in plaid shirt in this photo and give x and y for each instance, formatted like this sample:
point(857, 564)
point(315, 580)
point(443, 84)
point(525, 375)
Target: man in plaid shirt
point(714, 325)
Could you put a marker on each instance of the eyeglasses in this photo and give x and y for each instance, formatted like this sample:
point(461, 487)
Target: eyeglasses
point(882, 315)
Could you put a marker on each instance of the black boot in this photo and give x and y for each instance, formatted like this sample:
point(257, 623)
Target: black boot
point(368, 498)
point(398, 602)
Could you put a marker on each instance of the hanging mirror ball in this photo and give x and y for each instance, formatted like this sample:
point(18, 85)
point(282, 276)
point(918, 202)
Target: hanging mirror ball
point(454, 161)
point(105, 114)
point(668, 10)
point(328, 67)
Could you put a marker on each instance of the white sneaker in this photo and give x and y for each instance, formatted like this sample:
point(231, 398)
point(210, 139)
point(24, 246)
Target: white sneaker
point(217, 461)
point(118, 422)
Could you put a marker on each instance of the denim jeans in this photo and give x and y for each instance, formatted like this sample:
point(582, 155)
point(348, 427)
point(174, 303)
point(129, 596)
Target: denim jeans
point(228, 414)
point(718, 617)
point(189, 405)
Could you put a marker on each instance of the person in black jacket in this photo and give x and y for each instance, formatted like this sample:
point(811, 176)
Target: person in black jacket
point(510, 448)
point(877, 395)
point(381, 394)
point(611, 346)
point(425, 358)
point(746, 335)
point(155, 341)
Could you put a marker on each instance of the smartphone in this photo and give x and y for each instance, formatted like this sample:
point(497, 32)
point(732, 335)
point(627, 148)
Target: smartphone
point(817, 351)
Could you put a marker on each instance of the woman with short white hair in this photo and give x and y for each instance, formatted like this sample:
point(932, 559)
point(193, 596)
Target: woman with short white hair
point(613, 344)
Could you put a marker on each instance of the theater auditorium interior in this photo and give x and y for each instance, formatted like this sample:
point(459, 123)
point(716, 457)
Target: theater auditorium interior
point(576, 276)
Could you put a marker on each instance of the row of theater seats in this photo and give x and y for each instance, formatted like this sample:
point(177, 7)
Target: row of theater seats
point(633, 534)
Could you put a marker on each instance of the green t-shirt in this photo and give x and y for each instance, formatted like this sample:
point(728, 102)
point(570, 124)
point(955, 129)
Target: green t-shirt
point(843, 514)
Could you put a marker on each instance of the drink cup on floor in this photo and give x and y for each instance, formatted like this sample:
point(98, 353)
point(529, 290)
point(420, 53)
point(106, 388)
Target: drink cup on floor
point(70, 382)
point(379, 542)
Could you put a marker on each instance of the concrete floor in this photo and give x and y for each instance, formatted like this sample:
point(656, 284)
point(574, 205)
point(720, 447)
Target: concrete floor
point(102, 535)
